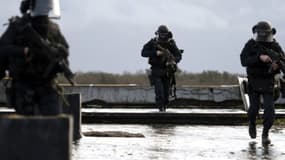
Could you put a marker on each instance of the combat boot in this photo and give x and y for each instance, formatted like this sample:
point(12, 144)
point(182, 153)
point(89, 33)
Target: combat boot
point(265, 140)
point(252, 130)
point(162, 108)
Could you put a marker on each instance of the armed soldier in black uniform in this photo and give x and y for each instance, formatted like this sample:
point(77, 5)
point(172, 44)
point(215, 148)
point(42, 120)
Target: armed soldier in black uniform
point(34, 51)
point(163, 57)
point(263, 58)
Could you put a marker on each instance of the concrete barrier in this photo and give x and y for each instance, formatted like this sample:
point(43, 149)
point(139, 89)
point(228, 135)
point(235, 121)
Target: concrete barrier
point(142, 95)
point(35, 138)
point(172, 116)
point(228, 95)
point(74, 109)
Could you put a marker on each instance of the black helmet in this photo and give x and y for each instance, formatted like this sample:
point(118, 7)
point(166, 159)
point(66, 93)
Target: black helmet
point(162, 29)
point(25, 6)
point(263, 26)
point(264, 31)
point(163, 33)
point(50, 8)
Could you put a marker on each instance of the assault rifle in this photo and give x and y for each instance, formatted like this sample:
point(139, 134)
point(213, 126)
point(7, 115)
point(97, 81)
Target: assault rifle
point(171, 67)
point(169, 59)
point(279, 59)
point(55, 53)
point(276, 57)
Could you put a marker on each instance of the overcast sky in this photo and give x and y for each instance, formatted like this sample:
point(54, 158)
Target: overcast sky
point(108, 35)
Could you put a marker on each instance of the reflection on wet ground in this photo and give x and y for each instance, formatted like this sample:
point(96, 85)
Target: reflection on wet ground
point(170, 110)
point(171, 142)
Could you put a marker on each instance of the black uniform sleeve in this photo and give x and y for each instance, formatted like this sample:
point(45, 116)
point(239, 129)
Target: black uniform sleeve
point(61, 38)
point(56, 35)
point(7, 48)
point(149, 50)
point(66, 46)
point(57, 38)
point(248, 56)
point(175, 51)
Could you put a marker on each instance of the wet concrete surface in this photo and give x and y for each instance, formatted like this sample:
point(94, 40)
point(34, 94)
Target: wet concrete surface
point(171, 110)
point(154, 110)
point(179, 142)
point(171, 116)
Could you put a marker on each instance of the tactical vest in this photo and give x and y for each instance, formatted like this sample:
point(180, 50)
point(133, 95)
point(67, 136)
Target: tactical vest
point(168, 60)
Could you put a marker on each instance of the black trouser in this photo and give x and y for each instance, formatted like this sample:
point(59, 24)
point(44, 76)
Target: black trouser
point(36, 99)
point(161, 86)
point(269, 112)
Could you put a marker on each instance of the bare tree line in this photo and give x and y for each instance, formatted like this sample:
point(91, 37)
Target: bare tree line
point(141, 78)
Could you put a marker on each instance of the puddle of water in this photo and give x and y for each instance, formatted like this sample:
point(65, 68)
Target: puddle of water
point(169, 142)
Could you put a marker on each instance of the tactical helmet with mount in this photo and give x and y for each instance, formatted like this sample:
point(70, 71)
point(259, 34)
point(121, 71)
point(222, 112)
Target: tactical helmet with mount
point(263, 31)
point(163, 33)
point(50, 8)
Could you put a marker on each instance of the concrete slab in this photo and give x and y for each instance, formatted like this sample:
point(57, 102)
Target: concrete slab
point(74, 109)
point(35, 138)
point(134, 94)
point(166, 118)
point(171, 116)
